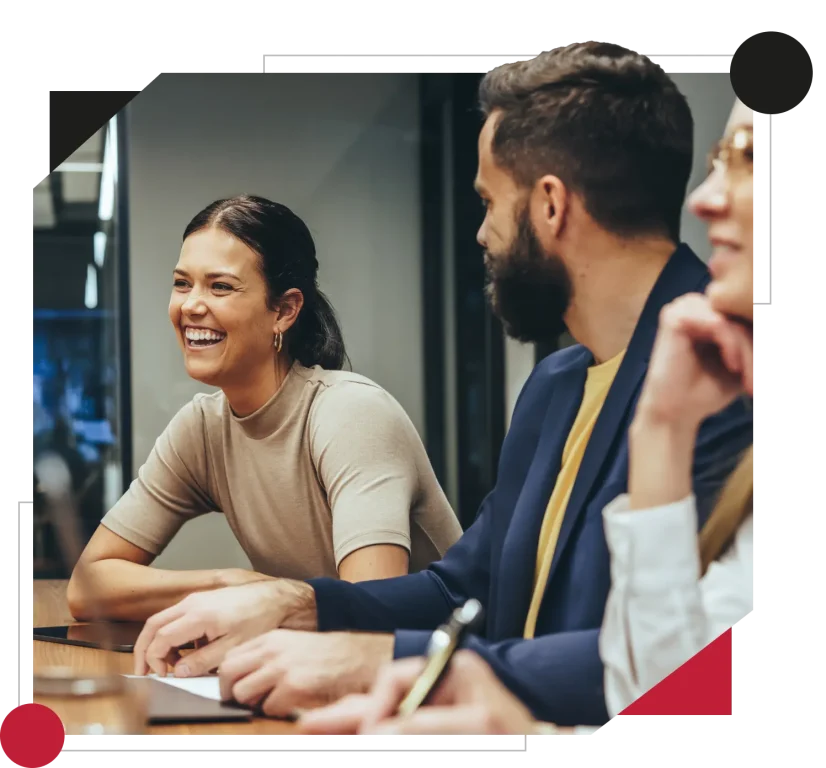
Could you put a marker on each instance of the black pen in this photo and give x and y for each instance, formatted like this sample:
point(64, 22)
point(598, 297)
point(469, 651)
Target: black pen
point(443, 644)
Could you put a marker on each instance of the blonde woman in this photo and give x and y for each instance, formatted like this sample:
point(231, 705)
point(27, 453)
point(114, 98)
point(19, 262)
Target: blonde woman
point(670, 597)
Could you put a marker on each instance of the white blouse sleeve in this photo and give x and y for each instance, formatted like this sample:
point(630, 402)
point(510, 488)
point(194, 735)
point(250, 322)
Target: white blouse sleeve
point(659, 612)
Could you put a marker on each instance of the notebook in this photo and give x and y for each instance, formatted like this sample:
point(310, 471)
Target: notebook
point(192, 700)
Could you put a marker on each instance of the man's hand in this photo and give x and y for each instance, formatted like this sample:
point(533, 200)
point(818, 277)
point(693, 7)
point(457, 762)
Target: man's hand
point(469, 699)
point(284, 670)
point(224, 618)
point(237, 577)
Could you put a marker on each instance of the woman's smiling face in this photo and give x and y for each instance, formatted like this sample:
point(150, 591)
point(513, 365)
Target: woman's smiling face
point(219, 309)
point(725, 202)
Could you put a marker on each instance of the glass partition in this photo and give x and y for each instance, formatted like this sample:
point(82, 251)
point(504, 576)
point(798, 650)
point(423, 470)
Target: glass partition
point(79, 327)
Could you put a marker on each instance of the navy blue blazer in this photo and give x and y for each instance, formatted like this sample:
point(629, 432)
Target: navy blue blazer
point(558, 674)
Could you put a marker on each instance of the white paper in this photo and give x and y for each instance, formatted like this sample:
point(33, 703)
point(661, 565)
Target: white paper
point(207, 686)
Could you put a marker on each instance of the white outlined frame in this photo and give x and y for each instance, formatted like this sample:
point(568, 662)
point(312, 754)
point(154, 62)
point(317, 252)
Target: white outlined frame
point(266, 58)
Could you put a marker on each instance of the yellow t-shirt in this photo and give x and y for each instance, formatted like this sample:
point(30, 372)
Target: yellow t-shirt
point(598, 382)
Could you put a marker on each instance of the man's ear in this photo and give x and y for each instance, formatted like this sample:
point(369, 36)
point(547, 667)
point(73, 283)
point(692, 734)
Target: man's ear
point(550, 203)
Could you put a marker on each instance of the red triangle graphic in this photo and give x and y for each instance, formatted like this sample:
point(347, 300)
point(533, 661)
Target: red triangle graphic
point(701, 686)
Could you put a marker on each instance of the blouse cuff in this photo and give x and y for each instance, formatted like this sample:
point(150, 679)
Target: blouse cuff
point(654, 549)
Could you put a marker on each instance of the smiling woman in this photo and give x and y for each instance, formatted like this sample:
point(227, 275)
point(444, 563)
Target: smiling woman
point(318, 471)
point(673, 592)
point(225, 321)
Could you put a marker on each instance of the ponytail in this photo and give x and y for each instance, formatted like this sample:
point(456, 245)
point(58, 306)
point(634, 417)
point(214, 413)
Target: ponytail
point(316, 338)
point(733, 507)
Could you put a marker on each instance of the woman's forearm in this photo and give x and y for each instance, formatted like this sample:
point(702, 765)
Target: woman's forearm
point(125, 591)
point(660, 461)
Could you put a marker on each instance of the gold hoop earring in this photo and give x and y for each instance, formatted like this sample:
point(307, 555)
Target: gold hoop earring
point(279, 340)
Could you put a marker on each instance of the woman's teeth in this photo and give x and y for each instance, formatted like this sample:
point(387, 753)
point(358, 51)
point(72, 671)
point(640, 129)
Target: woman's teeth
point(202, 337)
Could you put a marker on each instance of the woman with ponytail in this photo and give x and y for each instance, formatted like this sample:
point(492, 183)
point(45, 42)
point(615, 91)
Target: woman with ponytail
point(318, 471)
point(672, 593)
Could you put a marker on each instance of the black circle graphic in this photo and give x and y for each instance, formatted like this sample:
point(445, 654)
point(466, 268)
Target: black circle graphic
point(771, 73)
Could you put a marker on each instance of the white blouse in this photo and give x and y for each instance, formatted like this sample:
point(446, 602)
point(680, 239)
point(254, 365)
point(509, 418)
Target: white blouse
point(660, 612)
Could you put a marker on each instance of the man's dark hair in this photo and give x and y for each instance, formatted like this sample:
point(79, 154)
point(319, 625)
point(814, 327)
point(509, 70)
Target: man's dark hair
point(608, 122)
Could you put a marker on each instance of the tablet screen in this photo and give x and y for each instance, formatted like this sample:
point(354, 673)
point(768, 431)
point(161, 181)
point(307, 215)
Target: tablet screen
point(123, 634)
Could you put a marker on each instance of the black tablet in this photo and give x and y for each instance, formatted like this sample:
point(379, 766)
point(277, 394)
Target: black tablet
point(123, 635)
point(168, 704)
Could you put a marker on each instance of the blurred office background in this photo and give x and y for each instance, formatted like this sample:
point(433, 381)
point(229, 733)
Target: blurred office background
point(381, 169)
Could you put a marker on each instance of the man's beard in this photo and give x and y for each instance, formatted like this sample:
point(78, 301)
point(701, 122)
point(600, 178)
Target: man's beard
point(529, 290)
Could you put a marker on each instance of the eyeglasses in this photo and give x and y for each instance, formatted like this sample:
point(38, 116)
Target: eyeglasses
point(734, 154)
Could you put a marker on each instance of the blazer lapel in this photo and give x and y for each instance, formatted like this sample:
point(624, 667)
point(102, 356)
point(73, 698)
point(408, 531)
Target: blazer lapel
point(518, 562)
point(683, 273)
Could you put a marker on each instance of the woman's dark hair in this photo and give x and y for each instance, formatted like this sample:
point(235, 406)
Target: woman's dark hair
point(287, 259)
point(607, 121)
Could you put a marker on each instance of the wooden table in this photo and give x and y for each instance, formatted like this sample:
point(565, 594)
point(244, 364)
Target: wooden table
point(50, 609)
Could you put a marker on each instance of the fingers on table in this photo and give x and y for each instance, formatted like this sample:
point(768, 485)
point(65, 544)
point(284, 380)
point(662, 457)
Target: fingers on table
point(342, 718)
point(172, 634)
point(237, 665)
point(205, 658)
point(148, 634)
point(393, 683)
